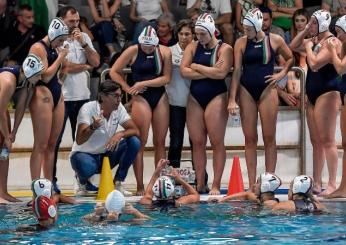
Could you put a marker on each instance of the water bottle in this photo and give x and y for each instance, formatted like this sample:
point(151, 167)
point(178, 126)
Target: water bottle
point(4, 153)
point(235, 120)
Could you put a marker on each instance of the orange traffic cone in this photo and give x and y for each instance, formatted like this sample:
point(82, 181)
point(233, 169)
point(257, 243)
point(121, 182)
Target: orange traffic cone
point(235, 183)
point(106, 180)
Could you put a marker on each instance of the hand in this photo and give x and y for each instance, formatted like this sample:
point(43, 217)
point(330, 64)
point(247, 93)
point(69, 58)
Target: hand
point(77, 35)
point(273, 79)
point(290, 99)
point(174, 173)
point(8, 143)
point(12, 136)
point(62, 51)
point(309, 45)
point(129, 209)
point(137, 88)
point(162, 164)
point(113, 142)
point(118, 26)
point(331, 43)
point(97, 120)
point(232, 107)
point(88, 67)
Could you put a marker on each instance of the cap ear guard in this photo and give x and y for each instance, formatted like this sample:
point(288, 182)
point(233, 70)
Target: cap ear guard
point(341, 23)
point(57, 28)
point(32, 66)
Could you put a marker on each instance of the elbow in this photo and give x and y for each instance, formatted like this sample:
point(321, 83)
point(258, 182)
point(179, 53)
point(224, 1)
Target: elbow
point(95, 63)
point(79, 141)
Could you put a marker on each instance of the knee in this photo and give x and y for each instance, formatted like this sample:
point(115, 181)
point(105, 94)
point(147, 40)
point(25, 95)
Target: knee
point(199, 143)
point(269, 139)
point(133, 142)
point(251, 141)
point(226, 29)
point(41, 146)
point(328, 142)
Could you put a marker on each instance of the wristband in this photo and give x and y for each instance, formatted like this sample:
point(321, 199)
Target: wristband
point(85, 45)
point(91, 127)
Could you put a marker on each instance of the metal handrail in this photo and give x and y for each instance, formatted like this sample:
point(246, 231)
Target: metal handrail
point(302, 111)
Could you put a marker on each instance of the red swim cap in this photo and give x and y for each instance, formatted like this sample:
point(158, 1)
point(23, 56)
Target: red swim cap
point(44, 208)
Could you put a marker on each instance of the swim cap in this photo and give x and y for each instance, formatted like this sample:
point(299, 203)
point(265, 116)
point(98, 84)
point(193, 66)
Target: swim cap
point(341, 22)
point(206, 23)
point(323, 20)
point(44, 208)
point(115, 202)
point(269, 182)
point(163, 187)
point(254, 17)
point(57, 28)
point(148, 36)
point(41, 187)
point(302, 184)
point(32, 66)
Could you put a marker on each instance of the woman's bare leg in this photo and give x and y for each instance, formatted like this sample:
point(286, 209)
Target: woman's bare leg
point(141, 115)
point(248, 115)
point(326, 110)
point(215, 118)
point(268, 110)
point(41, 107)
point(198, 135)
point(160, 122)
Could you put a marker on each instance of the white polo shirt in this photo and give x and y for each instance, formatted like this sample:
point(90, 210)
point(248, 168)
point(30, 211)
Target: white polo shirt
point(75, 86)
point(96, 143)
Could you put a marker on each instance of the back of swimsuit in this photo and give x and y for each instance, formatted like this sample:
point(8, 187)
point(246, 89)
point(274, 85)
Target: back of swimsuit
point(206, 89)
point(15, 70)
point(258, 62)
point(147, 67)
point(53, 85)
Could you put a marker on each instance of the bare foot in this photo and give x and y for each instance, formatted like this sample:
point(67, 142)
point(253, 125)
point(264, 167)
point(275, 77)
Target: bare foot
point(3, 201)
point(214, 192)
point(140, 192)
point(330, 189)
point(317, 190)
point(339, 193)
point(10, 198)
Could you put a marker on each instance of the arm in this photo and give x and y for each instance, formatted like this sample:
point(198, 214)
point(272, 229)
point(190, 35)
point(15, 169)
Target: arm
point(114, 8)
point(92, 56)
point(339, 64)
point(284, 51)
point(106, 11)
point(238, 60)
point(50, 71)
point(223, 18)
point(316, 61)
point(240, 196)
point(95, 14)
point(298, 42)
point(148, 195)
point(133, 12)
point(222, 66)
point(6, 92)
point(192, 195)
point(25, 97)
point(130, 129)
point(164, 6)
point(185, 66)
point(84, 28)
point(284, 206)
point(125, 59)
point(71, 68)
point(87, 125)
point(129, 209)
point(196, 5)
point(238, 23)
point(297, 5)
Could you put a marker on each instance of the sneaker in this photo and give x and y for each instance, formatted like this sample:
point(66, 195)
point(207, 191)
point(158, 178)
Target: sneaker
point(86, 189)
point(119, 187)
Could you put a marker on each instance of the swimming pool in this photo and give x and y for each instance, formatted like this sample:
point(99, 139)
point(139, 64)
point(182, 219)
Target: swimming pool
point(197, 224)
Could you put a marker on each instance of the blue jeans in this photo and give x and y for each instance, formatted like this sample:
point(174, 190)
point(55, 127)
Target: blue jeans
point(86, 164)
point(71, 112)
point(104, 34)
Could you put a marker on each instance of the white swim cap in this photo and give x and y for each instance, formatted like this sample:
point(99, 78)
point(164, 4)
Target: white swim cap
point(163, 187)
point(32, 65)
point(57, 28)
point(206, 22)
point(115, 202)
point(269, 182)
point(42, 187)
point(341, 22)
point(323, 20)
point(302, 184)
point(254, 17)
point(148, 36)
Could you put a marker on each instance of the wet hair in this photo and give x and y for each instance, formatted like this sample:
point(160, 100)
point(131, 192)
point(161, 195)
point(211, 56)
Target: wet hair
point(167, 18)
point(266, 10)
point(64, 10)
point(186, 23)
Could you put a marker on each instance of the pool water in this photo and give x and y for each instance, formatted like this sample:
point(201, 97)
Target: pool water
point(238, 222)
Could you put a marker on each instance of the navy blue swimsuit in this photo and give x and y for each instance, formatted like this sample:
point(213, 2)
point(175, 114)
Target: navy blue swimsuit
point(147, 67)
point(258, 62)
point(206, 89)
point(53, 85)
point(15, 70)
point(320, 82)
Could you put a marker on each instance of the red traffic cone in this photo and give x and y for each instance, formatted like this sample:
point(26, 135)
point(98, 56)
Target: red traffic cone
point(235, 183)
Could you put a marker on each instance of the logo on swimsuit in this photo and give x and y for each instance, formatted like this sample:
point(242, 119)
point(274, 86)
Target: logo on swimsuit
point(207, 53)
point(258, 46)
point(150, 57)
